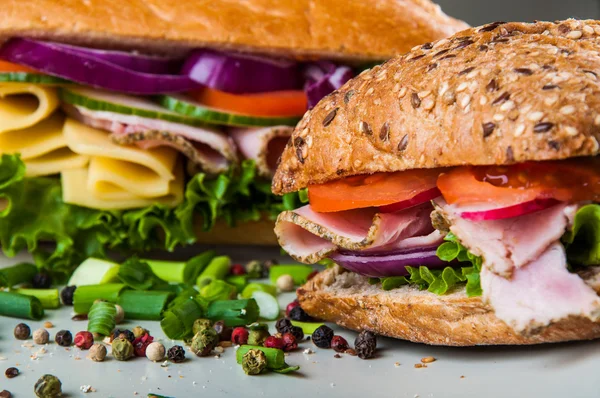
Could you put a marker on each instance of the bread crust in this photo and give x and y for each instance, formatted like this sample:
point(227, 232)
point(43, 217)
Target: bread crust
point(419, 316)
point(349, 29)
point(498, 94)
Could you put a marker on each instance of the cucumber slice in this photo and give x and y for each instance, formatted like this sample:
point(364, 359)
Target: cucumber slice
point(99, 100)
point(188, 107)
point(94, 271)
point(24, 77)
point(268, 307)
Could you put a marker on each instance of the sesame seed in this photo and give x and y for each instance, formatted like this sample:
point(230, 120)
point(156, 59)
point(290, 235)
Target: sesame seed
point(424, 94)
point(381, 75)
point(440, 43)
point(551, 100)
point(535, 116)
point(483, 100)
point(304, 152)
point(428, 104)
point(574, 34)
point(472, 75)
point(443, 88)
point(402, 92)
point(484, 72)
point(571, 131)
point(597, 120)
point(370, 91)
point(367, 76)
point(377, 101)
point(498, 117)
point(545, 33)
point(588, 29)
point(464, 100)
point(415, 48)
point(462, 87)
point(309, 141)
point(590, 74)
point(304, 132)
point(397, 76)
point(507, 106)
point(357, 163)
point(396, 88)
point(595, 144)
point(567, 109)
point(519, 130)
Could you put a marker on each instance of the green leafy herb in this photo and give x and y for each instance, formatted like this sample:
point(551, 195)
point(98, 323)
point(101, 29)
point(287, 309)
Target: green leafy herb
point(583, 240)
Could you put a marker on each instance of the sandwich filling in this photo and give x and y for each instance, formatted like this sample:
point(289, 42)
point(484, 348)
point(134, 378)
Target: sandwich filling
point(519, 236)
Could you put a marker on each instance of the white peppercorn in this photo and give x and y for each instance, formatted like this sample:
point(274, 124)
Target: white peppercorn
point(285, 283)
point(155, 351)
point(120, 314)
point(41, 336)
point(97, 352)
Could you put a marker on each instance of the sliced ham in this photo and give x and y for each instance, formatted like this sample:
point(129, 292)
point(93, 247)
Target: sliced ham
point(208, 149)
point(309, 236)
point(540, 293)
point(263, 145)
point(512, 242)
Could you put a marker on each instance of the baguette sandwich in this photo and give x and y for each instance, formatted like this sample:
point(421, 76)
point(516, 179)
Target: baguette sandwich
point(148, 124)
point(456, 190)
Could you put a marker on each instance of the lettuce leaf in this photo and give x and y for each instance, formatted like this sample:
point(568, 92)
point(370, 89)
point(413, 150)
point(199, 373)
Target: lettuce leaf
point(35, 213)
point(583, 240)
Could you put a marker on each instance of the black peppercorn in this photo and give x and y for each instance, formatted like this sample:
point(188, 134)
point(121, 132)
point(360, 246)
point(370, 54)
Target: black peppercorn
point(41, 280)
point(22, 331)
point(283, 325)
point(11, 373)
point(365, 344)
point(176, 354)
point(298, 314)
point(322, 336)
point(297, 332)
point(124, 334)
point(223, 330)
point(67, 295)
point(5, 394)
point(63, 338)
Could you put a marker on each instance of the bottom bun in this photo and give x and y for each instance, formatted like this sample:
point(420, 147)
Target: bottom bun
point(245, 233)
point(407, 313)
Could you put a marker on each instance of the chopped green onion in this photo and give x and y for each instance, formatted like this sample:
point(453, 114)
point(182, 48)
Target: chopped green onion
point(101, 318)
point(285, 369)
point(258, 287)
point(94, 271)
point(150, 395)
point(138, 275)
point(142, 305)
point(48, 297)
point(307, 327)
point(299, 273)
point(179, 271)
point(218, 290)
point(17, 274)
point(233, 312)
point(20, 306)
point(183, 296)
point(275, 356)
point(177, 321)
point(268, 306)
point(84, 296)
point(217, 269)
point(239, 281)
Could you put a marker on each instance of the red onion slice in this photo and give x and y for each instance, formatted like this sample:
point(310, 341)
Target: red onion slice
point(322, 78)
point(416, 200)
point(59, 60)
point(511, 211)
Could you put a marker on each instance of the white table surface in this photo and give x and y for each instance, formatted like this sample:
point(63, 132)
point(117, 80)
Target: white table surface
point(562, 370)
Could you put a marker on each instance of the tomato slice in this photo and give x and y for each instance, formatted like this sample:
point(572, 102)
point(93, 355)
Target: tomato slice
point(567, 180)
point(10, 67)
point(372, 190)
point(277, 103)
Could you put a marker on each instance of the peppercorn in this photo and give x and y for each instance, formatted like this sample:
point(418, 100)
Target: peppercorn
point(290, 342)
point(322, 336)
point(339, 344)
point(48, 386)
point(237, 269)
point(258, 336)
point(204, 341)
point(119, 314)
point(63, 338)
point(124, 334)
point(139, 331)
point(298, 314)
point(22, 331)
point(283, 325)
point(5, 394)
point(11, 373)
point(155, 352)
point(254, 362)
point(140, 344)
point(97, 352)
point(365, 344)
point(201, 324)
point(176, 354)
point(41, 280)
point(290, 307)
point(84, 340)
point(274, 342)
point(67, 295)
point(122, 349)
point(297, 332)
point(255, 269)
point(239, 336)
point(285, 283)
point(223, 330)
point(41, 336)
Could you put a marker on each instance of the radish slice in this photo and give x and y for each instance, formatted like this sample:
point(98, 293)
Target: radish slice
point(416, 200)
point(510, 211)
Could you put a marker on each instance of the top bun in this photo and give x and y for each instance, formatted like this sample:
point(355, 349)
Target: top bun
point(498, 94)
point(360, 30)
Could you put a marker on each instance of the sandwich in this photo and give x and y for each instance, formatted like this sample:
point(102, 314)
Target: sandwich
point(147, 125)
point(454, 191)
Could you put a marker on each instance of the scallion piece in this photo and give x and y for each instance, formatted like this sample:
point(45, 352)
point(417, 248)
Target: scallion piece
point(20, 306)
point(48, 297)
point(183, 296)
point(17, 274)
point(94, 271)
point(268, 306)
point(308, 327)
point(298, 272)
point(101, 318)
point(275, 356)
point(84, 296)
point(239, 281)
point(217, 269)
point(143, 305)
point(177, 321)
point(179, 271)
point(258, 287)
point(233, 312)
point(218, 290)
point(138, 275)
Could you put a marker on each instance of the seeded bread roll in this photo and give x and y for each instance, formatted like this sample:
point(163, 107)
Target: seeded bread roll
point(498, 94)
point(407, 313)
point(349, 29)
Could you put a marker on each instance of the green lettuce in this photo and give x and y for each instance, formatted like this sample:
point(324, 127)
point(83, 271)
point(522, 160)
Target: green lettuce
point(35, 213)
point(583, 240)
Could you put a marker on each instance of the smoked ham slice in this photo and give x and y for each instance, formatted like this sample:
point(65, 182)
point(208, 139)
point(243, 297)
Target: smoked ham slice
point(263, 145)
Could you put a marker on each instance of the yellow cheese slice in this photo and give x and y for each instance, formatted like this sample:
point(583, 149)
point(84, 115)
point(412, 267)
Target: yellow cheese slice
point(54, 162)
point(39, 139)
point(93, 142)
point(114, 179)
point(75, 182)
point(24, 105)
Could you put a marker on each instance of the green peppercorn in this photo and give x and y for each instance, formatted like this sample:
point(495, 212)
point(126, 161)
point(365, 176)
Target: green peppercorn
point(204, 341)
point(201, 324)
point(257, 336)
point(255, 269)
point(254, 362)
point(122, 349)
point(48, 386)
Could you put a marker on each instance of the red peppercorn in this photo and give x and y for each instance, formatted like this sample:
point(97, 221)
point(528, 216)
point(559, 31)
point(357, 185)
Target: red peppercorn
point(239, 336)
point(141, 343)
point(312, 275)
point(84, 340)
point(289, 342)
point(274, 342)
point(237, 269)
point(290, 307)
point(339, 344)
